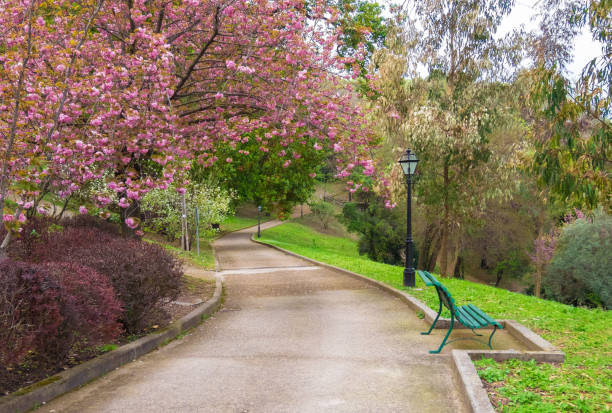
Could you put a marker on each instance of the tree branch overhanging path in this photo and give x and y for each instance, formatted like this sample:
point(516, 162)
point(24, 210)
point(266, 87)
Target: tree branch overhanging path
point(127, 95)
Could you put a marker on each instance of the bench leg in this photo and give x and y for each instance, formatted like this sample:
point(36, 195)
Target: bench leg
point(491, 337)
point(452, 323)
point(476, 334)
point(435, 321)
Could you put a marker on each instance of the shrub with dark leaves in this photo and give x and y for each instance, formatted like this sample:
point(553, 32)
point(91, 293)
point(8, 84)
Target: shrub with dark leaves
point(89, 221)
point(143, 275)
point(34, 232)
point(89, 308)
point(49, 309)
point(29, 309)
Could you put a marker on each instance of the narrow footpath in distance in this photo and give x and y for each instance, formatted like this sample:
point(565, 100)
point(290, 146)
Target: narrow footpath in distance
point(291, 337)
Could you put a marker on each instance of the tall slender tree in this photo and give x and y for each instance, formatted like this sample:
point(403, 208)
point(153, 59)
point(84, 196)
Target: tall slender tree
point(448, 116)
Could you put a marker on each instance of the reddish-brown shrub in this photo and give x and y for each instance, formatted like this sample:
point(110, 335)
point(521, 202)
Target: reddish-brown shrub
point(50, 308)
point(29, 308)
point(35, 231)
point(89, 308)
point(143, 275)
point(90, 221)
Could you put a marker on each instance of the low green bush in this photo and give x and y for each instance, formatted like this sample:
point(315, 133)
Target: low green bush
point(580, 272)
point(381, 231)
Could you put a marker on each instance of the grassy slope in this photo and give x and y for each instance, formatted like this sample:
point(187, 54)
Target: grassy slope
point(581, 384)
point(236, 223)
point(206, 258)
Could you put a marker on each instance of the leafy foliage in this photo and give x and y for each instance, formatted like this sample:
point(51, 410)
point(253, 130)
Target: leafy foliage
point(363, 25)
point(580, 270)
point(447, 118)
point(382, 230)
point(142, 275)
point(573, 142)
point(162, 208)
point(48, 309)
point(277, 177)
point(323, 211)
point(130, 95)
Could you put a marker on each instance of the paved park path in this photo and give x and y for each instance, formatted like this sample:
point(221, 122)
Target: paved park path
point(291, 337)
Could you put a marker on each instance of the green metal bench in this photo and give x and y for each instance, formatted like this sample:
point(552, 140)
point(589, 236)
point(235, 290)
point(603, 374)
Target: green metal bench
point(469, 315)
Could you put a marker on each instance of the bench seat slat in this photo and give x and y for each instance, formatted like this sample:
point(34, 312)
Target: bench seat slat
point(466, 319)
point(478, 316)
point(484, 315)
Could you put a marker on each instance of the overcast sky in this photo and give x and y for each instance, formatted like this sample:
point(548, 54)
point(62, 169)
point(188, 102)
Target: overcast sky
point(585, 48)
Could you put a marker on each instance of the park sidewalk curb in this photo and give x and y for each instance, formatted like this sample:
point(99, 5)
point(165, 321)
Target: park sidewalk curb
point(50, 388)
point(475, 397)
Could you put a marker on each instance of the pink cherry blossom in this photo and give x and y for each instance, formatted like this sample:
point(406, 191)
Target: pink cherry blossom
point(124, 107)
point(131, 223)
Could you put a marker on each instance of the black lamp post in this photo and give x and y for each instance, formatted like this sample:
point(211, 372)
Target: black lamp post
point(259, 221)
point(408, 162)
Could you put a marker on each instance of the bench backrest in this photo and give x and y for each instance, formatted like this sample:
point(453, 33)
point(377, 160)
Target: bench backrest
point(443, 294)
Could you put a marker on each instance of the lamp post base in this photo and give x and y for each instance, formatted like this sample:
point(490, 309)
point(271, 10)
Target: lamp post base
point(408, 277)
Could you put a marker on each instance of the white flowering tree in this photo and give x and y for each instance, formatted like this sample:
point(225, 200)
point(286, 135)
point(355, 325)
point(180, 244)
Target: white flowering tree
point(163, 209)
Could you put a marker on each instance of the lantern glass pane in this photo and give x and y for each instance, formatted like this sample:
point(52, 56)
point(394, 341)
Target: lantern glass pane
point(413, 163)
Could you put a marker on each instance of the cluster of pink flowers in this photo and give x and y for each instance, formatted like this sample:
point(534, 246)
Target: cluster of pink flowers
point(88, 105)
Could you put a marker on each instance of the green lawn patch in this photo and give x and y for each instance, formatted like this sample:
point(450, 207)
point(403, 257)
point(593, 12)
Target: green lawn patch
point(585, 335)
point(206, 259)
point(236, 223)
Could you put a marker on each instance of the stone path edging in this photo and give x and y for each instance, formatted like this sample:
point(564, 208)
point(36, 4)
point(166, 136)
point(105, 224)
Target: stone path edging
point(83, 373)
point(475, 396)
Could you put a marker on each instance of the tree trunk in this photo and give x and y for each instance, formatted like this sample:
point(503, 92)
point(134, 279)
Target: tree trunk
point(61, 214)
point(435, 252)
point(430, 248)
point(131, 211)
point(445, 227)
point(452, 263)
point(185, 230)
point(459, 271)
point(498, 278)
point(537, 288)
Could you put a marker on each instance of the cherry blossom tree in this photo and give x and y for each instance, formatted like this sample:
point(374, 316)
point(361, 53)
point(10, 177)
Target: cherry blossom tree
point(133, 91)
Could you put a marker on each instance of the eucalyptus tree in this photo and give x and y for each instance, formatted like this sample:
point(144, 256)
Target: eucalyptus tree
point(572, 119)
point(448, 115)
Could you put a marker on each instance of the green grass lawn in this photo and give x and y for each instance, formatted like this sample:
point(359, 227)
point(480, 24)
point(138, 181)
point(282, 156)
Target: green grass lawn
point(236, 223)
point(581, 384)
point(206, 259)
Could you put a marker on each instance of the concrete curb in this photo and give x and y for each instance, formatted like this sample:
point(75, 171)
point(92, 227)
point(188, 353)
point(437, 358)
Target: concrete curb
point(68, 380)
point(475, 396)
